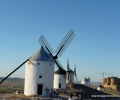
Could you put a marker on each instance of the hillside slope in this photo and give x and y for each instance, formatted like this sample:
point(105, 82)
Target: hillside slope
point(86, 89)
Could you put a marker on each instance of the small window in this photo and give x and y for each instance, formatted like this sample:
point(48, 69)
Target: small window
point(28, 63)
point(50, 64)
point(40, 76)
point(38, 63)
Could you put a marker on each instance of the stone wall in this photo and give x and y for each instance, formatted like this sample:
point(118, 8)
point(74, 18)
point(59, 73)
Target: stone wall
point(111, 82)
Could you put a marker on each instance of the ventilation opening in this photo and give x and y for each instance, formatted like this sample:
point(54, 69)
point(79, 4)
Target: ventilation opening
point(40, 76)
point(28, 63)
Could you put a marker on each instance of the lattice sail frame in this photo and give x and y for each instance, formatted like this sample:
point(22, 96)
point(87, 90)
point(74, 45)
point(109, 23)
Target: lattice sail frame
point(65, 42)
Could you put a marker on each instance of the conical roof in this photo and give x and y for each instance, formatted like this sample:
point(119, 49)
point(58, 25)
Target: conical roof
point(60, 71)
point(41, 55)
point(100, 86)
point(70, 71)
point(86, 79)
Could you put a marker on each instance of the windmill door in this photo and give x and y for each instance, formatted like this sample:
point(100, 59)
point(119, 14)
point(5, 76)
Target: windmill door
point(39, 91)
point(59, 85)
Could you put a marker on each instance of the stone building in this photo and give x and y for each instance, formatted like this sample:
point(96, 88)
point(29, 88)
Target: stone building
point(111, 82)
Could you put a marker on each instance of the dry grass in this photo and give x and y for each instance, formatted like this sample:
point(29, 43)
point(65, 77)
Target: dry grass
point(32, 95)
point(10, 96)
point(12, 83)
point(3, 89)
point(6, 91)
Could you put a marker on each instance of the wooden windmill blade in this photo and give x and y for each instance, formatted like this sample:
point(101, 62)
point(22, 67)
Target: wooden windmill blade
point(65, 42)
point(89, 79)
point(64, 39)
point(61, 67)
point(59, 64)
point(13, 71)
point(67, 74)
point(75, 71)
point(62, 46)
point(46, 45)
point(68, 70)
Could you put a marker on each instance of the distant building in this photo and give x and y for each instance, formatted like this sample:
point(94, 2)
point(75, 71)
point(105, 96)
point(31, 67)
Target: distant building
point(111, 82)
point(100, 88)
point(85, 82)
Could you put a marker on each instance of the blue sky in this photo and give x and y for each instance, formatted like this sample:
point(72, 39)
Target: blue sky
point(94, 49)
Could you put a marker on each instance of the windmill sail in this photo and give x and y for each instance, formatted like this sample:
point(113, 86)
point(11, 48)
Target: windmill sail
point(14, 71)
point(75, 71)
point(65, 42)
point(68, 68)
point(89, 80)
point(60, 49)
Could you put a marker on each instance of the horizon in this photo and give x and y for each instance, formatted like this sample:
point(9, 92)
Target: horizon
point(74, 81)
point(94, 49)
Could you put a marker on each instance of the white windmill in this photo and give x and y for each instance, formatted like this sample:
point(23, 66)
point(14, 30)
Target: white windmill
point(59, 79)
point(69, 74)
point(85, 82)
point(39, 74)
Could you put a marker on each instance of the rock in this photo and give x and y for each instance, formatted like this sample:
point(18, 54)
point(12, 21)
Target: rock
point(17, 92)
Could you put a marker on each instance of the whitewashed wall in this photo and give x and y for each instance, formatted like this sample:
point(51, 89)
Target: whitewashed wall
point(32, 73)
point(72, 77)
point(86, 83)
point(57, 80)
point(100, 88)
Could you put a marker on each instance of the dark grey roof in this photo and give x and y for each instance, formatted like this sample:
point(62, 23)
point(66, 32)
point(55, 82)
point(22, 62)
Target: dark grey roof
point(100, 86)
point(70, 71)
point(42, 55)
point(60, 71)
point(86, 79)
